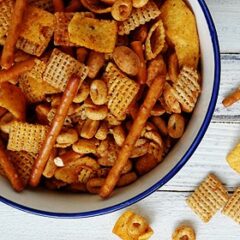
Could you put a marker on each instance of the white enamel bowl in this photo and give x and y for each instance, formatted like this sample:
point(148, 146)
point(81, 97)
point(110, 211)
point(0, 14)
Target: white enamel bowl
point(68, 205)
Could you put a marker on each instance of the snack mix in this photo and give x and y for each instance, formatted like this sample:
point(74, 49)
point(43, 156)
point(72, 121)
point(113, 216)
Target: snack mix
point(94, 94)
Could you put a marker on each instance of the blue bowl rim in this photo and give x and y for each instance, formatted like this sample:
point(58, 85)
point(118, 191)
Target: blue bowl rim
point(180, 164)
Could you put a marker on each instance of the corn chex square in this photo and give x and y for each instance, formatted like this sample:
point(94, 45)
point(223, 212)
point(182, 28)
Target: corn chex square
point(61, 67)
point(121, 89)
point(36, 31)
point(232, 208)
point(139, 16)
point(62, 20)
point(187, 88)
point(23, 162)
point(32, 84)
point(6, 9)
point(208, 198)
point(26, 137)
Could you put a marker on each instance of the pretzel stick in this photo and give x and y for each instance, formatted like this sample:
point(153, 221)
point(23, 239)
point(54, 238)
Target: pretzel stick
point(10, 171)
point(58, 5)
point(56, 126)
point(2, 111)
point(138, 49)
point(73, 6)
point(16, 70)
point(153, 94)
point(13, 34)
point(232, 98)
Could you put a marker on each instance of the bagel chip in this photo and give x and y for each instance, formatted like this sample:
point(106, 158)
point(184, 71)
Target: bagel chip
point(13, 99)
point(95, 34)
point(181, 31)
point(36, 31)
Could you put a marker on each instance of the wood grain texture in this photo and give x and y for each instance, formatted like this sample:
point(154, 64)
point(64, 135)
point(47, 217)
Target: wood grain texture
point(166, 208)
point(226, 17)
point(163, 210)
point(209, 157)
point(230, 80)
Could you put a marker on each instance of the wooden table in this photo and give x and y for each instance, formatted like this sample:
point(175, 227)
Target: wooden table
point(166, 208)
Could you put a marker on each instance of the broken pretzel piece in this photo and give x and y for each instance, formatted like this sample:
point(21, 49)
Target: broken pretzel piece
point(10, 171)
point(232, 98)
point(23, 162)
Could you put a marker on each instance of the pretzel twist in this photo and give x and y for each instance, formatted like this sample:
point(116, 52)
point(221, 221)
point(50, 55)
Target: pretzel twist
point(56, 126)
point(153, 94)
point(13, 34)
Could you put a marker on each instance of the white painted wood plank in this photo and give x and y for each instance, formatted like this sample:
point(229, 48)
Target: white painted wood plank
point(227, 21)
point(164, 211)
point(209, 157)
point(230, 80)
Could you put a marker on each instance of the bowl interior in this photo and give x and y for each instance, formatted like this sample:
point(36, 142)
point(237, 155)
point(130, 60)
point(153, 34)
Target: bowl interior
point(70, 205)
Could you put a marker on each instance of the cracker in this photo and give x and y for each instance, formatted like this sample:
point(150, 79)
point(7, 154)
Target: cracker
point(208, 198)
point(43, 4)
point(6, 9)
point(187, 88)
point(131, 226)
point(232, 208)
point(36, 31)
point(26, 137)
point(62, 20)
point(61, 67)
point(23, 162)
point(32, 84)
point(121, 89)
point(139, 16)
point(233, 158)
point(95, 34)
point(155, 40)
